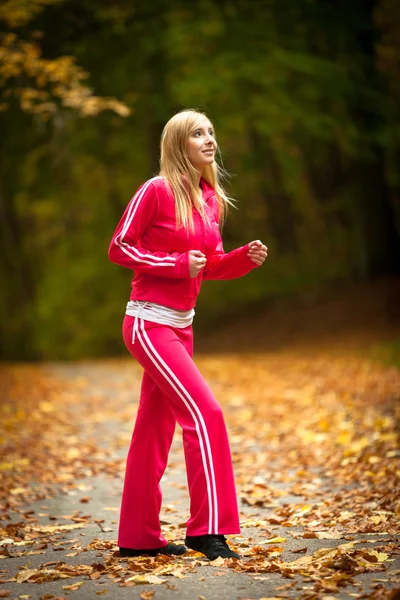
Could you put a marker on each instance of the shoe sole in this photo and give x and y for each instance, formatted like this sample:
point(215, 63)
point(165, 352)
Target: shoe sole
point(132, 553)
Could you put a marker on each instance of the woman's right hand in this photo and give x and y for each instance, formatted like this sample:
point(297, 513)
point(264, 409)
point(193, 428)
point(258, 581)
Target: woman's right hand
point(197, 262)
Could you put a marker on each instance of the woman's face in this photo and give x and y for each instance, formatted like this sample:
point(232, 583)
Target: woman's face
point(201, 145)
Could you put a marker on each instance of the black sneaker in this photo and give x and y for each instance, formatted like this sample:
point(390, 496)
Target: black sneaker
point(212, 546)
point(170, 549)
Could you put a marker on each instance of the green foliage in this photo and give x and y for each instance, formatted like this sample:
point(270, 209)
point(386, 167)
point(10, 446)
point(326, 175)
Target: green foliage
point(305, 106)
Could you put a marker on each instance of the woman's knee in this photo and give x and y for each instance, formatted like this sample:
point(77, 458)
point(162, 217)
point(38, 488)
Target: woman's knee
point(214, 411)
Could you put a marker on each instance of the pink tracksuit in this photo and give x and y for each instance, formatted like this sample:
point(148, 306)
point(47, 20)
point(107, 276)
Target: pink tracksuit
point(148, 242)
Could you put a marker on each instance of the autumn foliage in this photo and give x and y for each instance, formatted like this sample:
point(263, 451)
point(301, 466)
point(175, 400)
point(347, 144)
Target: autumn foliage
point(313, 425)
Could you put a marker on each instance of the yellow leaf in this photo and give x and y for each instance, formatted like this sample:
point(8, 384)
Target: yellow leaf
point(218, 562)
point(73, 453)
point(55, 528)
point(46, 407)
point(73, 586)
point(276, 540)
point(39, 575)
point(378, 519)
point(375, 556)
point(18, 491)
point(343, 438)
point(329, 535)
point(153, 579)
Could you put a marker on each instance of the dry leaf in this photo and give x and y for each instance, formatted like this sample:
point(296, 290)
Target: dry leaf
point(153, 579)
point(218, 562)
point(73, 586)
point(147, 595)
point(347, 435)
point(39, 575)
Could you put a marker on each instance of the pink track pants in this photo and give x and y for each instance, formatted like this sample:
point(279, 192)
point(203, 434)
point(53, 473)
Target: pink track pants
point(173, 390)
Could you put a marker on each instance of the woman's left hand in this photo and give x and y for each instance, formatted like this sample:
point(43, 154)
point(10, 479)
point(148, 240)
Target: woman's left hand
point(257, 252)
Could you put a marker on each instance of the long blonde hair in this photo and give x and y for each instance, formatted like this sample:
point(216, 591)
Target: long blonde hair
point(182, 177)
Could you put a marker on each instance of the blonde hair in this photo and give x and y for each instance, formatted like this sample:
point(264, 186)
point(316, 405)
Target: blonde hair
point(180, 174)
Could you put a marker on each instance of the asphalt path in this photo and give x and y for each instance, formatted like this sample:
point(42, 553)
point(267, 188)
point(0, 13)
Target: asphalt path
point(91, 508)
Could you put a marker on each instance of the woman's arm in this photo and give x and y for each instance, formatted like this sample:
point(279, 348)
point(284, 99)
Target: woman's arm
point(236, 263)
point(139, 215)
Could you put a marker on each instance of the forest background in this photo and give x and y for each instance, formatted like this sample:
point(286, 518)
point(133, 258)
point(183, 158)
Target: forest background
point(305, 96)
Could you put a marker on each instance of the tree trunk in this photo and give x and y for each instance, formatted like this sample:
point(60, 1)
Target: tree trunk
point(17, 285)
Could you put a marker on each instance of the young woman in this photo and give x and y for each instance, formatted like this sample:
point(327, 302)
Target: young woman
point(169, 236)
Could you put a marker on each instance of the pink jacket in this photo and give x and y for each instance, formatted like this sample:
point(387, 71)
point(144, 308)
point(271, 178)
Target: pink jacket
point(147, 241)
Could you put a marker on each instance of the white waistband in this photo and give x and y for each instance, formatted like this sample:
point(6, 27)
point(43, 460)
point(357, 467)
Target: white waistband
point(158, 314)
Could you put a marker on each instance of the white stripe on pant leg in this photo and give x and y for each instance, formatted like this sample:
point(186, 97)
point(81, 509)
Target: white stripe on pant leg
point(172, 384)
point(201, 419)
point(189, 409)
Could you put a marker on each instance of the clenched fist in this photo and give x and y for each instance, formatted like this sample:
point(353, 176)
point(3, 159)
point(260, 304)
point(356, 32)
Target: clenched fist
point(257, 252)
point(197, 262)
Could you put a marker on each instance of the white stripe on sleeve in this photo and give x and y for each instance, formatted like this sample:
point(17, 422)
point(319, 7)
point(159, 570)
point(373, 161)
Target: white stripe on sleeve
point(134, 253)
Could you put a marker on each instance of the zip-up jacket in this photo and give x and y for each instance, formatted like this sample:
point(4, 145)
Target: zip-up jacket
point(147, 241)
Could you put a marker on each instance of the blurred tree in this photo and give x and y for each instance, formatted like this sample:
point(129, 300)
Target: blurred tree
point(387, 46)
point(38, 82)
point(44, 88)
point(304, 102)
point(300, 86)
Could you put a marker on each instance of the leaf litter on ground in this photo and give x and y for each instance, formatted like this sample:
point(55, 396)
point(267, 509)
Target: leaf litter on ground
point(315, 445)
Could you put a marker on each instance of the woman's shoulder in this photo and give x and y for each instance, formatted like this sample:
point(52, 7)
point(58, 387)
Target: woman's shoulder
point(160, 195)
point(156, 182)
point(159, 183)
point(154, 188)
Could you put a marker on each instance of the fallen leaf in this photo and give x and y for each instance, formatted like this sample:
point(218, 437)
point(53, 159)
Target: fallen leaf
point(73, 586)
point(153, 579)
point(39, 575)
point(218, 562)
